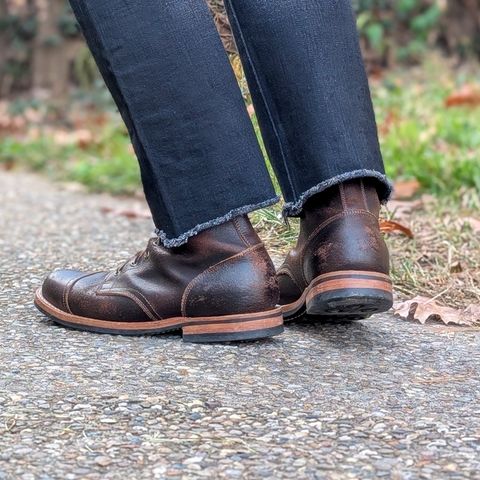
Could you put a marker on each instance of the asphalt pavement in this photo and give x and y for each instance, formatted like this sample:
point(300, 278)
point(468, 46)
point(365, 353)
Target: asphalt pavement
point(382, 398)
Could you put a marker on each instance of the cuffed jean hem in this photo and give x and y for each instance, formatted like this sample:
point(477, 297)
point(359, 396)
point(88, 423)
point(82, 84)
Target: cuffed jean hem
point(385, 189)
point(236, 212)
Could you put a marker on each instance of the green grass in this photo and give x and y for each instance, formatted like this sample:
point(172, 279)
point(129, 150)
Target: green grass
point(420, 138)
point(106, 164)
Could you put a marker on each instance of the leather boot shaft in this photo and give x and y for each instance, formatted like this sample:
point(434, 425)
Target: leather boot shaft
point(340, 247)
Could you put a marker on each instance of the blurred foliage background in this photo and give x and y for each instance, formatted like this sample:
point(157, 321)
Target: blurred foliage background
point(56, 114)
point(422, 57)
point(40, 46)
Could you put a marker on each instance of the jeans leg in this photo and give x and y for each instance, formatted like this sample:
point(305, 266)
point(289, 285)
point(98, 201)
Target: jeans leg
point(307, 79)
point(170, 77)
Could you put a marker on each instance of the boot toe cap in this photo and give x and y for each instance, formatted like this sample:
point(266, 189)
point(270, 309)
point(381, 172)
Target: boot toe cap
point(55, 285)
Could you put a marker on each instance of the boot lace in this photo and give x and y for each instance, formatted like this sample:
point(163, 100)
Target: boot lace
point(136, 259)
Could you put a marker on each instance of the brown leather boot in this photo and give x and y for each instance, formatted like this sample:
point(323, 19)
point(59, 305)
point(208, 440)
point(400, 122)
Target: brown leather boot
point(340, 266)
point(220, 286)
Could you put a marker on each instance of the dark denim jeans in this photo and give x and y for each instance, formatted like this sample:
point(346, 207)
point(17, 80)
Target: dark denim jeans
point(200, 161)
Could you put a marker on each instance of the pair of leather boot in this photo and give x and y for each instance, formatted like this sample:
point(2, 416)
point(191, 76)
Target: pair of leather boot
point(222, 286)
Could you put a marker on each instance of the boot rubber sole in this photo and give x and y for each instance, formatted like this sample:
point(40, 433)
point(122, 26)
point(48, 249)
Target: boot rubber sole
point(225, 328)
point(343, 295)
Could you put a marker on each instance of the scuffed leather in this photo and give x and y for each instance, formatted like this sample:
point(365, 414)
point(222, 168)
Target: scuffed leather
point(239, 284)
point(222, 271)
point(339, 230)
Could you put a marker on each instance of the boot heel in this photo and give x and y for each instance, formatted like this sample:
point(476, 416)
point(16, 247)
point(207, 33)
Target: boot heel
point(349, 295)
point(233, 327)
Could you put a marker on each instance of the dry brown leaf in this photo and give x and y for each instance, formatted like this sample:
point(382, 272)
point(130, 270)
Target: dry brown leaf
point(468, 95)
point(7, 164)
point(389, 226)
point(405, 189)
point(390, 120)
point(88, 119)
point(423, 309)
point(81, 138)
point(126, 212)
point(456, 267)
point(9, 124)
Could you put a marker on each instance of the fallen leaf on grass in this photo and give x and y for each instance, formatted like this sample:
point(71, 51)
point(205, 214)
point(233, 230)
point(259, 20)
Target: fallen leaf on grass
point(405, 189)
point(468, 95)
point(81, 138)
point(12, 124)
point(7, 164)
point(390, 120)
point(89, 119)
point(423, 309)
point(389, 226)
point(456, 267)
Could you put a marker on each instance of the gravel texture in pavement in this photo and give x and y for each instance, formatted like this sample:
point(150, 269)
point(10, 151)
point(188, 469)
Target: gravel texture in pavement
point(374, 399)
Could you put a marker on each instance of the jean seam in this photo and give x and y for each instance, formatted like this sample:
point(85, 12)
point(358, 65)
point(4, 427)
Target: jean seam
point(260, 88)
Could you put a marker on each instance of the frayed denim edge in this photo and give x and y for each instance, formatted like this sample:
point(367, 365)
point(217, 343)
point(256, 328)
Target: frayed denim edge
point(293, 209)
point(236, 212)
